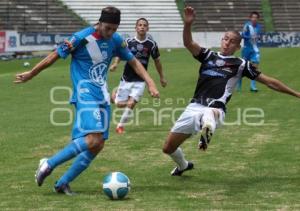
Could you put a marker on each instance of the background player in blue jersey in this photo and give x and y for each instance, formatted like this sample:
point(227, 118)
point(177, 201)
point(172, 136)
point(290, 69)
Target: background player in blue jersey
point(218, 75)
point(250, 51)
point(92, 50)
point(131, 87)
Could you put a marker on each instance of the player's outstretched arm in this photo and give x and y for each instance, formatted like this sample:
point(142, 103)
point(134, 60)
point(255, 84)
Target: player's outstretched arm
point(159, 69)
point(140, 70)
point(115, 64)
point(46, 62)
point(276, 85)
point(189, 17)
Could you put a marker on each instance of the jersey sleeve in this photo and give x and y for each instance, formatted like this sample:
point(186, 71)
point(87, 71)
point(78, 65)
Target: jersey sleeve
point(250, 71)
point(155, 52)
point(68, 46)
point(122, 51)
point(203, 54)
point(246, 32)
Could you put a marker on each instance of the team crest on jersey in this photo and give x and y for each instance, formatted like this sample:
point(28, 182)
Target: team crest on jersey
point(139, 47)
point(132, 49)
point(98, 73)
point(220, 62)
point(104, 45)
point(104, 55)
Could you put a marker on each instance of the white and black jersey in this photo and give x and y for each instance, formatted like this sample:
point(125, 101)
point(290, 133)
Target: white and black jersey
point(142, 50)
point(218, 76)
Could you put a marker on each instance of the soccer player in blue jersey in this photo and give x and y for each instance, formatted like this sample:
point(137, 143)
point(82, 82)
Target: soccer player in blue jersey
point(92, 50)
point(250, 51)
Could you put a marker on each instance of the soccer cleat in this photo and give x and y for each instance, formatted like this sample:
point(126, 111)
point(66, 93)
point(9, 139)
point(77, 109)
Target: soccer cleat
point(42, 172)
point(64, 189)
point(253, 90)
point(205, 138)
point(177, 172)
point(120, 130)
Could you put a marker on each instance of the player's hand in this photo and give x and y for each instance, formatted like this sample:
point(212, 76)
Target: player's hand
point(23, 77)
point(163, 82)
point(189, 15)
point(113, 67)
point(153, 91)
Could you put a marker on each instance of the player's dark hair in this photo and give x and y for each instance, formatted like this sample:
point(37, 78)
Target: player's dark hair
point(141, 19)
point(110, 15)
point(254, 13)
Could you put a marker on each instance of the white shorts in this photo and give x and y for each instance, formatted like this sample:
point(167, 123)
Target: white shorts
point(189, 121)
point(130, 89)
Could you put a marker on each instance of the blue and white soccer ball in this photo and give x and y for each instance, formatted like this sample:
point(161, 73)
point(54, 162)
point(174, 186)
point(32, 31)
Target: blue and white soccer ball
point(116, 185)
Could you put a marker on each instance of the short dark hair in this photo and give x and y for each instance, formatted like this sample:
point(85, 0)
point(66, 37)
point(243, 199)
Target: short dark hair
point(254, 13)
point(141, 19)
point(110, 15)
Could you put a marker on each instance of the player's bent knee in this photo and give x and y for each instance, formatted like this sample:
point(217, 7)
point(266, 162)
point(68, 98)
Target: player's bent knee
point(95, 141)
point(97, 147)
point(121, 104)
point(167, 149)
point(131, 104)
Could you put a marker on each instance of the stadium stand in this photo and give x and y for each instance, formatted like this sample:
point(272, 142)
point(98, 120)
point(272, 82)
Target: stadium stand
point(220, 15)
point(38, 16)
point(163, 15)
point(286, 15)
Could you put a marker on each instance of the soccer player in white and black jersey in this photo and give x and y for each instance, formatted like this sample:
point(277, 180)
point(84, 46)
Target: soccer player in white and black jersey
point(131, 87)
point(218, 75)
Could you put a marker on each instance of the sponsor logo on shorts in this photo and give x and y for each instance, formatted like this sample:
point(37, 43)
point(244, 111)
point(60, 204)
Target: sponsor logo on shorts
point(97, 114)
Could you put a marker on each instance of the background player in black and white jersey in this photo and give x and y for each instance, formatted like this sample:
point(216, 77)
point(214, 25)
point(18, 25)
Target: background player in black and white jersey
point(131, 87)
point(218, 75)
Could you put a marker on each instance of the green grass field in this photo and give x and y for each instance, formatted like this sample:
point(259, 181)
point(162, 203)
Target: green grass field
point(245, 168)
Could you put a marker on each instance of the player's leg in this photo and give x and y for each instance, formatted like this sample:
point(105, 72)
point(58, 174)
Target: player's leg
point(171, 148)
point(46, 166)
point(95, 143)
point(90, 118)
point(244, 55)
point(255, 57)
point(113, 95)
point(187, 124)
point(136, 92)
point(93, 123)
point(127, 114)
point(209, 120)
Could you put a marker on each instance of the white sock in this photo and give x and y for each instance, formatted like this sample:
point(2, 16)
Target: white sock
point(125, 116)
point(178, 158)
point(208, 118)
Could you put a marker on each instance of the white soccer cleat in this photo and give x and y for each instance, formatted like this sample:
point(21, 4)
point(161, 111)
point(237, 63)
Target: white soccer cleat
point(42, 172)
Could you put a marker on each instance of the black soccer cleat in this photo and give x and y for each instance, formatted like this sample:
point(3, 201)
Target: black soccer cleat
point(64, 189)
point(177, 172)
point(206, 135)
point(42, 172)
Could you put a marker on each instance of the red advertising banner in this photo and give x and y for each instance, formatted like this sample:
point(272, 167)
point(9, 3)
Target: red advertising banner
point(2, 42)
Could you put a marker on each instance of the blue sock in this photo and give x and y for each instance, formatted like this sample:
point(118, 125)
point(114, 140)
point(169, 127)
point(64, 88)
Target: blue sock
point(253, 85)
point(77, 146)
point(239, 85)
point(82, 161)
